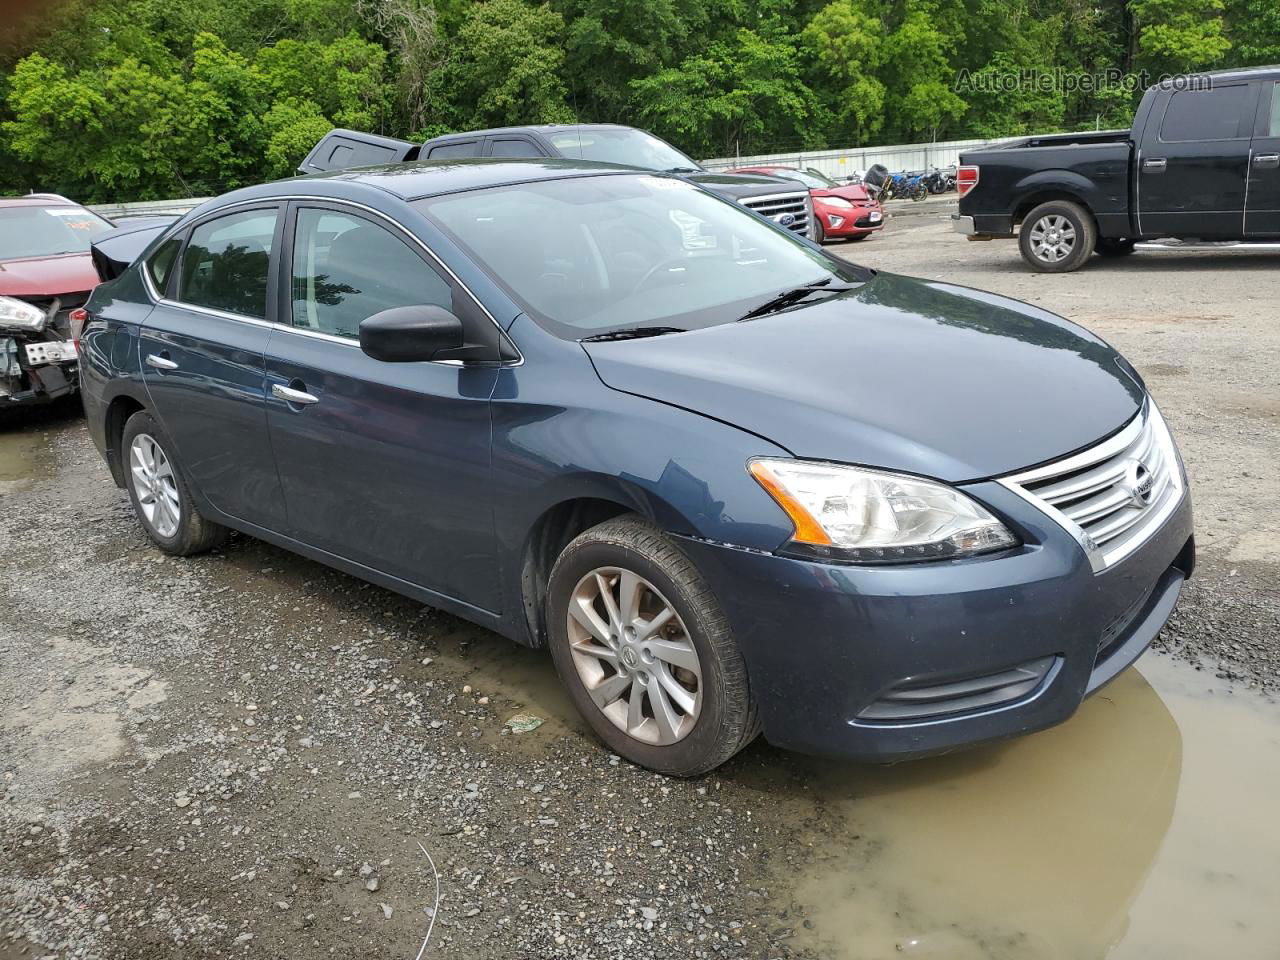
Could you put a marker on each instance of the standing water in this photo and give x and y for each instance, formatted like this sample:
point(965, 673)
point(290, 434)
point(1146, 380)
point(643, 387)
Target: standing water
point(1148, 826)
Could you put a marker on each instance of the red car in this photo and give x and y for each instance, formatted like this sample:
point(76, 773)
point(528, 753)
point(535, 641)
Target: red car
point(842, 211)
point(45, 275)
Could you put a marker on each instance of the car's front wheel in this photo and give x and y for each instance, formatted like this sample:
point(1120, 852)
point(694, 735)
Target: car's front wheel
point(646, 652)
point(159, 492)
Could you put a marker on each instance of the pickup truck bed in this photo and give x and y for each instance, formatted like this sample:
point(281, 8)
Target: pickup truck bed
point(1202, 161)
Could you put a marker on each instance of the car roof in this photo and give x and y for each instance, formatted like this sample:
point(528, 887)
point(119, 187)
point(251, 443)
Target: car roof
point(538, 128)
point(426, 178)
point(1239, 73)
point(37, 200)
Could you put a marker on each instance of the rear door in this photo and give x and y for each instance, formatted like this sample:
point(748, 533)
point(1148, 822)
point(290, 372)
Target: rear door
point(1194, 162)
point(383, 464)
point(202, 360)
point(1262, 210)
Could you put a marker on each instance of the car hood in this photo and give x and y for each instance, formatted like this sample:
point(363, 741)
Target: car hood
point(901, 374)
point(740, 185)
point(47, 276)
point(852, 192)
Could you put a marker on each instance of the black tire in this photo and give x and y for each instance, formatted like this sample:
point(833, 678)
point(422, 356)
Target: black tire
point(193, 533)
point(1084, 236)
point(727, 720)
point(1115, 248)
point(820, 233)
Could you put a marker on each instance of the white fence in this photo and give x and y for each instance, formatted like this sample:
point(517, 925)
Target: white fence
point(841, 163)
point(144, 208)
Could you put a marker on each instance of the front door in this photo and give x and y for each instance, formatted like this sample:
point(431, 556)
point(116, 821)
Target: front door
point(1262, 213)
point(383, 464)
point(202, 361)
point(1194, 161)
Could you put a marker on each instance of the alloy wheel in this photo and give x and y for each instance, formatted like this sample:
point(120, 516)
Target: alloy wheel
point(155, 485)
point(634, 656)
point(1053, 238)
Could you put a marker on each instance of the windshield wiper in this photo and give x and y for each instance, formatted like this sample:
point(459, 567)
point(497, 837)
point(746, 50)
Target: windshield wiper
point(631, 333)
point(793, 296)
point(682, 170)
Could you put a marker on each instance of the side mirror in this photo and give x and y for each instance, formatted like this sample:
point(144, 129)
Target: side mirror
point(408, 334)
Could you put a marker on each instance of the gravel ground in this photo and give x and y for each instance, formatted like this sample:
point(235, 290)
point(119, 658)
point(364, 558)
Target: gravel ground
point(239, 754)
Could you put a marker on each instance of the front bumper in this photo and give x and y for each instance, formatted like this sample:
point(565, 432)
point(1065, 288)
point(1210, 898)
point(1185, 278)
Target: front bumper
point(834, 651)
point(849, 223)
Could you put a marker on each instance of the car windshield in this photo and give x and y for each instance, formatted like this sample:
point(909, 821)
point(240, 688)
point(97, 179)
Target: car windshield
point(32, 231)
point(591, 255)
point(635, 148)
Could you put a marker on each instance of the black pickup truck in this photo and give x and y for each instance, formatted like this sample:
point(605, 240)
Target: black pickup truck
point(771, 197)
point(1201, 162)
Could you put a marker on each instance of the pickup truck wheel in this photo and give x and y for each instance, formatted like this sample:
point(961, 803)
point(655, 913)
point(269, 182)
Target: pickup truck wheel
point(1057, 237)
point(159, 492)
point(1115, 248)
point(645, 651)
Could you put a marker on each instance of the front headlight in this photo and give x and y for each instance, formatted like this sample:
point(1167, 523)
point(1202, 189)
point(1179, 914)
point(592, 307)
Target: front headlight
point(17, 315)
point(867, 516)
point(840, 203)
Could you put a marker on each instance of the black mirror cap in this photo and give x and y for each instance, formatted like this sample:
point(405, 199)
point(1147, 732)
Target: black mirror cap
point(411, 334)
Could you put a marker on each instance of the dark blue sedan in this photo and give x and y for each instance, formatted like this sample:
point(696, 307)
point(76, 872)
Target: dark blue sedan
point(733, 483)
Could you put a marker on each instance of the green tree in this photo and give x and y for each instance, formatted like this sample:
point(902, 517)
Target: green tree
point(846, 47)
point(731, 98)
point(508, 64)
point(1179, 36)
point(919, 76)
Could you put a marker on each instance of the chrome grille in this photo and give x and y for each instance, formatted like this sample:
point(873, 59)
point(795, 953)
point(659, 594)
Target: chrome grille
point(778, 206)
point(1114, 495)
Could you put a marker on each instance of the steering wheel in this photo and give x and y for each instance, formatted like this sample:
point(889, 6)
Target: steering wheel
point(654, 270)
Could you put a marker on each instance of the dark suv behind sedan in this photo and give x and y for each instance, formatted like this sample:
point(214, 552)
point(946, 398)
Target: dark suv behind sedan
point(733, 483)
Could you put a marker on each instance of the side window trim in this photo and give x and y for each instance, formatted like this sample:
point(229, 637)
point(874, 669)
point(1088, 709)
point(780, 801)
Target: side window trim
point(473, 314)
point(173, 292)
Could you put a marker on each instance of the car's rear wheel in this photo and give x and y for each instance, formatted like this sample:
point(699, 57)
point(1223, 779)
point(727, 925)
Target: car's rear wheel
point(1057, 237)
point(646, 652)
point(159, 492)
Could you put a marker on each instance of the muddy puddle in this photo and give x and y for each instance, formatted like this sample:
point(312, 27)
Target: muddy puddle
point(22, 454)
point(1148, 826)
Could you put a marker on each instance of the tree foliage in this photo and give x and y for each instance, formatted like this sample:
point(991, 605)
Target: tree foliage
point(134, 99)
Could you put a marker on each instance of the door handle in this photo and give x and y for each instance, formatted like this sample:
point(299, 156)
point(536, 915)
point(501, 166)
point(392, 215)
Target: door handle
point(1155, 164)
point(1267, 161)
point(290, 395)
point(160, 362)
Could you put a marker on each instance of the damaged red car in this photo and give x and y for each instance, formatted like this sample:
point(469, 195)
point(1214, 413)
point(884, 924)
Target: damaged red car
point(46, 274)
point(841, 211)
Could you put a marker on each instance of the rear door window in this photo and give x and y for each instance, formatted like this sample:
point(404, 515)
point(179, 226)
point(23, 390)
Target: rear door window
point(347, 268)
point(227, 263)
point(513, 147)
point(448, 151)
point(1213, 114)
point(1275, 110)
